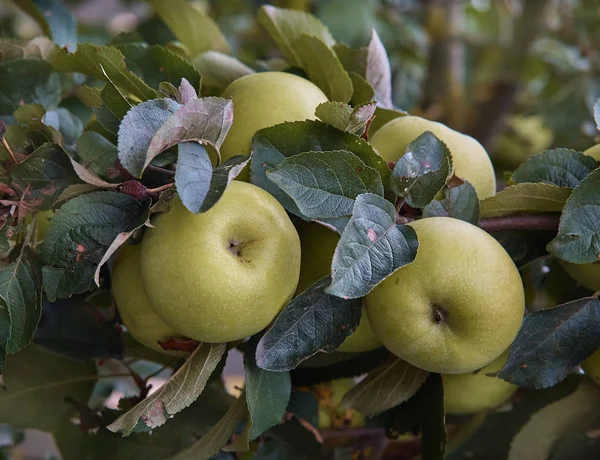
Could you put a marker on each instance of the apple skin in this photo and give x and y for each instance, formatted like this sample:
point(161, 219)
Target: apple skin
point(587, 275)
point(526, 136)
point(591, 367)
point(593, 151)
point(137, 315)
point(266, 99)
point(225, 274)
point(318, 245)
point(457, 307)
point(471, 161)
point(331, 414)
point(475, 391)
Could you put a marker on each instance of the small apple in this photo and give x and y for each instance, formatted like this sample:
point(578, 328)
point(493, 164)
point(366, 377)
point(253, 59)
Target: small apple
point(587, 275)
point(265, 99)
point(225, 274)
point(141, 321)
point(471, 161)
point(457, 307)
point(331, 413)
point(524, 137)
point(318, 245)
point(591, 367)
point(593, 151)
point(475, 391)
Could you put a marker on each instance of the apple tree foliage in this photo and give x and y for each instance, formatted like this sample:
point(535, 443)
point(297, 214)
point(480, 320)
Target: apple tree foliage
point(105, 135)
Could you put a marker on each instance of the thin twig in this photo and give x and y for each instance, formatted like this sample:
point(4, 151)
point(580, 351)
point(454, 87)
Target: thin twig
point(521, 222)
point(13, 158)
point(161, 188)
point(160, 170)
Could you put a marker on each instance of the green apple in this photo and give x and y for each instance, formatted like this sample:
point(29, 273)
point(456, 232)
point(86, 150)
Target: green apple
point(225, 274)
point(591, 367)
point(471, 161)
point(318, 245)
point(525, 137)
point(331, 413)
point(139, 318)
point(587, 275)
point(457, 307)
point(265, 99)
point(475, 391)
point(594, 152)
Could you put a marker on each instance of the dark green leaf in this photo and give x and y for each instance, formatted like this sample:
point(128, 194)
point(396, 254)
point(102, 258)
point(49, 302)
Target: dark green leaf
point(103, 63)
point(325, 184)
point(422, 171)
point(323, 67)
point(71, 328)
point(552, 342)
point(524, 198)
point(181, 390)
point(270, 146)
point(218, 70)
point(311, 322)
point(363, 92)
point(459, 202)
point(155, 64)
point(385, 387)
point(97, 153)
point(342, 116)
point(54, 19)
point(285, 26)
point(267, 396)
point(28, 81)
point(561, 167)
point(43, 176)
point(81, 232)
point(33, 115)
point(578, 239)
point(64, 121)
point(382, 116)
point(524, 246)
point(371, 248)
point(278, 449)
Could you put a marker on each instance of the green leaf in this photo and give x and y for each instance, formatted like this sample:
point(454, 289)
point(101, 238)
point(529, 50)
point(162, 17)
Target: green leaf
point(285, 26)
point(213, 441)
point(382, 116)
point(344, 117)
point(32, 115)
point(40, 381)
point(578, 239)
point(218, 70)
point(371, 248)
point(103, 63)
point(198, 184)
point(523, 198)
point(42, 177)
point(325, 184)
point(82, 230)
point(28, 81)
point(54, 19)
point(537, 358)
point(561, 167)
point(270, 146)
point(267, 396)
point(313, 321)
point(69, 125)
point(155, 64)
point(323, 67)
point(97, 153)
point(195, 29)
point(20, 303)
point(459, 202)
point(363, 92)
point(181, 390)
point(385, 387)
point(422, 171)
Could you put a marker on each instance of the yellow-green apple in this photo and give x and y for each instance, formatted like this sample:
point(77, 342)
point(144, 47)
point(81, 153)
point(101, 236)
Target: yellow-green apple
point(475, 391)
point(265, 99)
point(471, 161)
point(591, 367)
point(318, 245)
point(587, 275)
point(225, 274)
point(525, 136)
point(457, 307)
point(594, 152)
point(137, 315)
point(331, 413)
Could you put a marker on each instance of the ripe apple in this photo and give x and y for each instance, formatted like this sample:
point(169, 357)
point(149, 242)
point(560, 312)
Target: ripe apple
point(587, 275)
point(331, 413)
point(139, 318)
point(471, 161)
point(225, 274)
point(318, 245)
point(457, 307)
point(594, 152)
point(525, 136)
point(265, 99)
point(591, 367)
point(475, 391)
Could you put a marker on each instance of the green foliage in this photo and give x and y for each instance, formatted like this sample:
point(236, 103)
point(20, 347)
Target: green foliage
point(459, 202)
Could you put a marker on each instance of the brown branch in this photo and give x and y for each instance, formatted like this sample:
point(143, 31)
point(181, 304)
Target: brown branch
point(521, 222)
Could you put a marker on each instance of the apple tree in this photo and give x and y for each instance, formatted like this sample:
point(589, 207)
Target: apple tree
point(415, 282)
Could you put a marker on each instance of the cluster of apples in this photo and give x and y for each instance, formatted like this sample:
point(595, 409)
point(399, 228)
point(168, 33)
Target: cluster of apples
point(224, 275)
